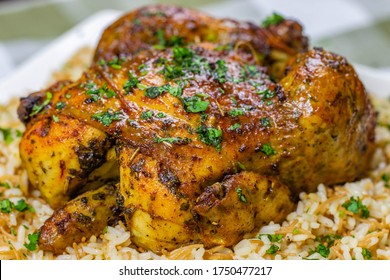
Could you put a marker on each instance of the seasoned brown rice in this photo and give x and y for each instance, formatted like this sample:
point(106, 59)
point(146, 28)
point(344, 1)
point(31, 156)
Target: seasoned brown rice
point(320, 227)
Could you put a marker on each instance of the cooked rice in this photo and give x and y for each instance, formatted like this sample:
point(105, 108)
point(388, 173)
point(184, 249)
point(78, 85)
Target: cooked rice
point(318, 217)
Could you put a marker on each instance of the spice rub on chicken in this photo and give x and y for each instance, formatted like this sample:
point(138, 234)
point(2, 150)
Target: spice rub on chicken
point(193, 130)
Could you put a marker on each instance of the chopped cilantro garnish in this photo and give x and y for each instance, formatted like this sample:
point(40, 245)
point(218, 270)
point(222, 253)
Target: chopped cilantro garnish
point(160, 115)
point(5, 184)
point(225, 47)
point(55, 118)
point(386, 179)
point(252, 70)
point(328, 239)
point(106, 118)
point(366, 254)
point(210, 136)
point(272, 237)
point(234, 127)
point(356, 206)
point(322, 250)
point(115, 63)
point(163, 42)
point(176, 41)
point(296, 231)
point(60, 105)
point(267, 94)
point(22, 206)
point(273, 19)
point(7, 135)
point(37, 108)
point(104, 90)
point(240, 195)
point(143, 68)
point(33, 241)
point(141, 86)
point(194, 104)
point(184, 61)
point(265, 122)
point(153, 92)
point(203, 117)
point(235, 112)
point(220, 71)
point(145, 115)
point(272, 249)
point(130, 83)
point(238, 166)
point(183, 56)
point(172, 140)
point(172, 72)
point(174, 91)
point(268, 150)
point(96, 93)
point(6, 206)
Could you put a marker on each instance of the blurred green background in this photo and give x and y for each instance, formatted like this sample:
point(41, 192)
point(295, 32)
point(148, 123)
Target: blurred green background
point(357, 29)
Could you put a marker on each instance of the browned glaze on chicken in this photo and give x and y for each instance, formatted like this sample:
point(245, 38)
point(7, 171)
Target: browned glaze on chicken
point(154, 27)
point(216, 125)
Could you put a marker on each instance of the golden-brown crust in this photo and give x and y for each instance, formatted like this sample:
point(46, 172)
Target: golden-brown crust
point(84, 216)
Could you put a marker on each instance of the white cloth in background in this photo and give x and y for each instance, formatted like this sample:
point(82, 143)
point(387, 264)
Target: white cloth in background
point(320, 18)
point(6, 64)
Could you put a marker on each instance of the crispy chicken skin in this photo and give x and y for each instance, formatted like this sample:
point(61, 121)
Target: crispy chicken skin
point(85, 215)
point(209, 142)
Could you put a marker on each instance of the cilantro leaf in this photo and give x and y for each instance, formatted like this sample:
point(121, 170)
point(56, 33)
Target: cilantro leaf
point(210, 136)
point(37, 108)
point(6, 206)
point(33, 241)
point(106, 118)
point(240, 195)
point(268, 150)
point(22, 206)
point(235, 112)
point(130, 83)
point(272, 249)
point(5, 184)
point(322, 250)
point(153, 92)
point(220, 71)
point(234, 126)
point(7, 135)
point(273, 19)
point(194, 104)
point(366, 254)
point(356, 206)
point(272, 237)
point(145, 115)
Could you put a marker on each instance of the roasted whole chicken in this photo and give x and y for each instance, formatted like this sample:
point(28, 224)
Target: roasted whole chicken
point(193, 129)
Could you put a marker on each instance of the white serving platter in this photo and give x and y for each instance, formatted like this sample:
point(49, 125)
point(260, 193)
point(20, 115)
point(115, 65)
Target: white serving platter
point(34, 74)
